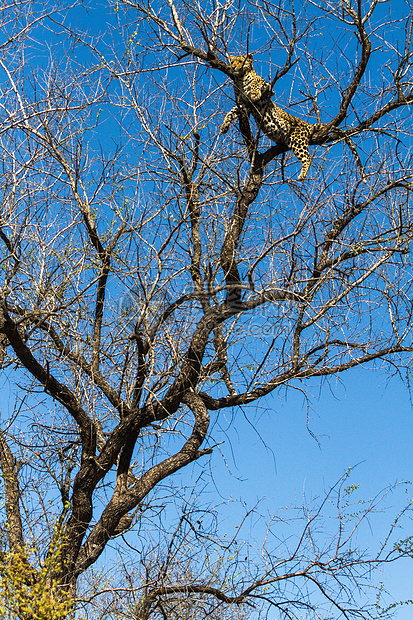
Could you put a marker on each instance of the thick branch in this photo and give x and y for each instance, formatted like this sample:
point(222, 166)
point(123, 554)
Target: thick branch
point(126, 499)
point(213, 404)
point(9, 469)
point(51, 385)
point(228, 256)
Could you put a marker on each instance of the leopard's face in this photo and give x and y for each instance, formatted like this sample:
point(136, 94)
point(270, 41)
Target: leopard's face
point(241, 64)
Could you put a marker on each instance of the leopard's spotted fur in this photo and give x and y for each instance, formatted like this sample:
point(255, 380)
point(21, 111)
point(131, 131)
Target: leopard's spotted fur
point(283, 128)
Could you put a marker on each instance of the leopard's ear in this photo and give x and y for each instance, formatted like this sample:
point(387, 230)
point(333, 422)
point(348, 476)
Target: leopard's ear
point(249, 56)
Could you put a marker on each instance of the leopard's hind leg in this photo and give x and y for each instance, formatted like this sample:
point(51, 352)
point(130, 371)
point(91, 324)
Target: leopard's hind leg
point(298, 143)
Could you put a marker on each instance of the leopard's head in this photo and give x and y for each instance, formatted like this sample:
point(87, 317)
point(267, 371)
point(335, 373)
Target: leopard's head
point(241, 64)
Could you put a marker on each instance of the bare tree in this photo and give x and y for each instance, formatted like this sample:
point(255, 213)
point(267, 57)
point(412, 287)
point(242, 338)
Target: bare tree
point(156, 273)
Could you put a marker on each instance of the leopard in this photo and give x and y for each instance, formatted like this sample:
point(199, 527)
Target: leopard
point(254, 94)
